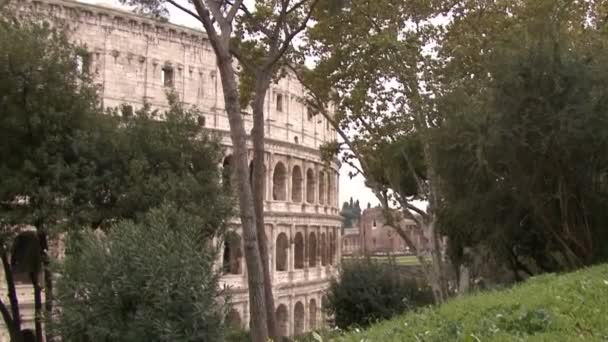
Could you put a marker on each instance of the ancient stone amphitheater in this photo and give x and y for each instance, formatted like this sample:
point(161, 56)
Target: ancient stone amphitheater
point(134, 58)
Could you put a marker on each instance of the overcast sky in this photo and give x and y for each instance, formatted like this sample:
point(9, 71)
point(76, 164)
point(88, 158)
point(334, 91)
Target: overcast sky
point(348, 187)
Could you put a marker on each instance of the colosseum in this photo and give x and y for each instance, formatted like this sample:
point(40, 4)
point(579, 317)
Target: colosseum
point(136, 59)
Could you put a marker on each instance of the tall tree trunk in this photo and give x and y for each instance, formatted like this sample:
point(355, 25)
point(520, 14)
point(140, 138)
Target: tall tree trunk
point(12, 293)
point(48, 280)
point(257, 303)
point(13, 323)
point(37, 306)
point(261, 87)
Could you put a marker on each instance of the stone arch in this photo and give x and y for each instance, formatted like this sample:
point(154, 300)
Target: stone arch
point(324, 307)
point(281, 247)
point(330, 189)
point(312, 250)
point(25, 256)
point(296, 184)
point(310, 186)
point(233, 319)
point(227, 171)
point(332, 246)
point(232, 254)
point(322, 191)
point(299, 251)
point(298, 319)
point(279, 182)
point(323, 249)
point(312, 314)
point(282, 317)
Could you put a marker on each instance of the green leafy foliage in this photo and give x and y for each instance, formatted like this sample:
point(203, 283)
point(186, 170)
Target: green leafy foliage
point(367, 291)
point(568, 307)
point(147, 281)
point(518, 121)
point(351, 212)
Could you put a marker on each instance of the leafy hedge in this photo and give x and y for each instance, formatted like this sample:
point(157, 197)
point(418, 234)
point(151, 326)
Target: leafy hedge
point(568, 307)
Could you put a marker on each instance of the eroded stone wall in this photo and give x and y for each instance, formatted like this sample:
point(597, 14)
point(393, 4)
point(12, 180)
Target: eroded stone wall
point(135, 59)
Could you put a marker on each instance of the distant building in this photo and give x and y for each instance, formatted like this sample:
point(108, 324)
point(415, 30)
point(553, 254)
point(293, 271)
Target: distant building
point(373, 235)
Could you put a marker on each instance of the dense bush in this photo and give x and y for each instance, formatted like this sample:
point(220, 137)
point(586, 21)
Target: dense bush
point(367, 291)
point(149, 281)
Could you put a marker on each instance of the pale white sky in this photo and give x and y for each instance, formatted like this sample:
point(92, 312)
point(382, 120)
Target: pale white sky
point(348, 187)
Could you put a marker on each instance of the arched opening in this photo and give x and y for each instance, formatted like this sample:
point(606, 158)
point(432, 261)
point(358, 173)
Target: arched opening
point(299, 251)
point(330, 185)
point(312, 250)
point(310, 186)
point(322, 190)
point(227, 171)
point(298, 319)
point(296, 184)
point(232, 254)
point(332, 247)
point(323, 249)
point(26, 257)
point(324, 307)
point(312, 314)
point(281, 252)
point(233, 320)
point(282, 317)
point(279, 185)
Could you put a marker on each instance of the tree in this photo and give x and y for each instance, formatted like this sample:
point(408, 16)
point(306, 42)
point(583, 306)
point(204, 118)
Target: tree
point(351, 213)
point(373, 66)
point(44, 103)
point(151, 280)
point(67, 166)
point(259, 39)
point(521, 115)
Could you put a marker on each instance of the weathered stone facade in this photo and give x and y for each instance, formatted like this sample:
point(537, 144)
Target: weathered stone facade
point(373, 235)
point(136, 59)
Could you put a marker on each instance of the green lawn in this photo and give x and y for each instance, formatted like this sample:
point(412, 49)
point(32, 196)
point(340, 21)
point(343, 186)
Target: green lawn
point(569, 307)
point(400, 260)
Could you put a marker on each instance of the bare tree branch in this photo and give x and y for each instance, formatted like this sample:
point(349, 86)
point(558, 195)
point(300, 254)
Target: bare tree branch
point(184, 9)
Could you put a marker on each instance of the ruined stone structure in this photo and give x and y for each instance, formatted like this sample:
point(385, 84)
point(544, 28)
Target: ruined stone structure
point(136, 59)
point(373, 236)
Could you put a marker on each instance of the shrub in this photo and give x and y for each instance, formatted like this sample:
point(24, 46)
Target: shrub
point(367, 291)
point(149, 281)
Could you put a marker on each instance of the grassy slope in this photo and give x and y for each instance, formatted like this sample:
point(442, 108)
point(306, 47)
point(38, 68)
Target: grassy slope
point(570, 307)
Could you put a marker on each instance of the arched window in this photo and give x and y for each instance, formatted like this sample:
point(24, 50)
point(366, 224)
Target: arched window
point(330, 189)
point(281, 252)
point(332, 247)
point(279, 184)
point(312, 314)
point(233, 319)
point(296, 184)
point(312, 250)
point(298, 319)
point(232, 253)
point(324, 307)
point(25, 256)
point(227, 171)
point(310, 186)
point(299, 251)
point(323, 249)
point(322, 190)
point(282, 317)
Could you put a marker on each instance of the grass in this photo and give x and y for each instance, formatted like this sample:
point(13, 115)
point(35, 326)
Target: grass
point(568, 307)
point(409, 260)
